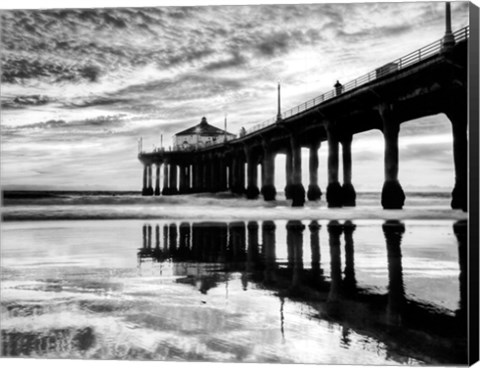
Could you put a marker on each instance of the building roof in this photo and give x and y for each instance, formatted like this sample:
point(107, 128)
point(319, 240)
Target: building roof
point(203, 129)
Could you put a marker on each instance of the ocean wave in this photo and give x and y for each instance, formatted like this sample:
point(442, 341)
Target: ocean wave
point(215, 212)
point(45, 198)
point(21, 206)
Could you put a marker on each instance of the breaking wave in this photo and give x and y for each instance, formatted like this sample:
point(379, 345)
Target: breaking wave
point(129, 205)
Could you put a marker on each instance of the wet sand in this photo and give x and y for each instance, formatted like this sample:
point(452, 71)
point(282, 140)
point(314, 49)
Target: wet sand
point(360, 292)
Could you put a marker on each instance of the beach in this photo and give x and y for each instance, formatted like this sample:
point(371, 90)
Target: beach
point(243, 183)
point(220, 278)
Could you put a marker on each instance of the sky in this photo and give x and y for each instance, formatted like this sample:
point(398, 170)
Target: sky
point(80, 86)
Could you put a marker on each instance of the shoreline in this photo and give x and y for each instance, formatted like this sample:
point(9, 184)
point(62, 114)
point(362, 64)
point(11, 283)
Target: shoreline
point(180, 212)
point(220, 206)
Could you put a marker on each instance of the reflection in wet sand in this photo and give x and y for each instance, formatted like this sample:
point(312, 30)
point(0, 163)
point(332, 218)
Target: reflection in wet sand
point(460, 230)
point(349, 281)
point(393, 231)
point(295, 252)
point(334, 295)
point(307, 287)
point(315, 250)
point(337, 298)
point(268, 235)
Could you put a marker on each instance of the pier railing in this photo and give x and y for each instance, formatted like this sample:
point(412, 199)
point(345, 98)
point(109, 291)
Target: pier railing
point(404, 62)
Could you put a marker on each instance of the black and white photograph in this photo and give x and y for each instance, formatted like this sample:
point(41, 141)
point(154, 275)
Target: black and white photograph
point(239, 183)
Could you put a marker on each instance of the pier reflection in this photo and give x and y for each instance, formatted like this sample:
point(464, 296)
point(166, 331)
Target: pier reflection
point(393, 231)
point(460, 229)
point(354, 287)
point(204, 254)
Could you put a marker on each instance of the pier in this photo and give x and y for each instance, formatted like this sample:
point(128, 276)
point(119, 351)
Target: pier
point(428, 81)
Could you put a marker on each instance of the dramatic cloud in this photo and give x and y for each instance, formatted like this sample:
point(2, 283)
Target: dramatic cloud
point(21, 101)
point(101, 78)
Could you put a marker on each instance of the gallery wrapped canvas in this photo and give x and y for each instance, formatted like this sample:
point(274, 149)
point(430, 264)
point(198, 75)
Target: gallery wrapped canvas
point(261, 183)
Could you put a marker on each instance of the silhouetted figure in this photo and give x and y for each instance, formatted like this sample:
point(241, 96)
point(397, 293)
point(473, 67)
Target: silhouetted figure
point(338, 88)
point(393, 231)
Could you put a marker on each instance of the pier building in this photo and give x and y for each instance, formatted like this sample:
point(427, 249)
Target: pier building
point(200, 136)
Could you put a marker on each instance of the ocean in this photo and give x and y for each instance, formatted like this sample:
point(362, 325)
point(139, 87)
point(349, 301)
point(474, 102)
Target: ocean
point(216, 277)
point(50, 205)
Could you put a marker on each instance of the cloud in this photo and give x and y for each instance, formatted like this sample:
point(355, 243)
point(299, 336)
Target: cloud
point(68, 52)
point(44, 125)
point(184, 55)
point(274, 44)
point(365, 34)
point(235, 60)
point(19, 102)
point(168, 95)
point(89, 72)
point(96, 79)
point(61, 130)
point(14, 70)
point(95, 101)
point(428, 125)
point(435, 152)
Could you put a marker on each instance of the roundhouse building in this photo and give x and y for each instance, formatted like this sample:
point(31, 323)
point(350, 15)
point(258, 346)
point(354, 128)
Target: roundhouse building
point(199, 136)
